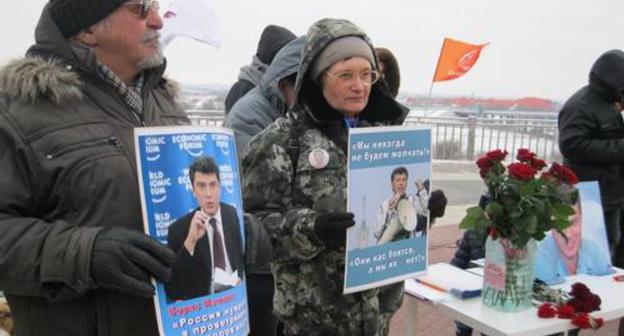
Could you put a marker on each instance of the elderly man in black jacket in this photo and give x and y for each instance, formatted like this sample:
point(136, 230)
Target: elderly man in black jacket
point(73, 258)
point(591, 139)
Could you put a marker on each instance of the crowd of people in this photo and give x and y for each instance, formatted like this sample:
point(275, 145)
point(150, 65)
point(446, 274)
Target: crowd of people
point(73, 258)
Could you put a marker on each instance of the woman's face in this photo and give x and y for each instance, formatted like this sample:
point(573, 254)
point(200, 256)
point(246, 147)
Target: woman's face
point(346, 85)
point(573, 233)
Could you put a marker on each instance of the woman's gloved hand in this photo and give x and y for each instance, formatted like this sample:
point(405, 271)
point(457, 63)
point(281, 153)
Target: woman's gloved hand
point(331, 227)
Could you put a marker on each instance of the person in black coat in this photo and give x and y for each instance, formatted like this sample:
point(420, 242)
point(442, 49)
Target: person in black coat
point(470, 247)
point(205, 239)
point(591, 139)
point(273, 38)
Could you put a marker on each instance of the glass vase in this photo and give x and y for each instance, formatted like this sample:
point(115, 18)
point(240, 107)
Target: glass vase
point(508, 275)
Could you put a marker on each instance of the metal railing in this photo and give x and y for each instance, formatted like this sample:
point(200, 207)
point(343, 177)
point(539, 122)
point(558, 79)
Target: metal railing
point(457, 138)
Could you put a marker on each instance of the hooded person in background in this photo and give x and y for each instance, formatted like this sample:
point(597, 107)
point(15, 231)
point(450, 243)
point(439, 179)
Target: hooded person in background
point(269, 100)
point(249, 116)
point(389, 69)
point(74, 260)
point(295, 179)
point(272, 39)
point(591, 139)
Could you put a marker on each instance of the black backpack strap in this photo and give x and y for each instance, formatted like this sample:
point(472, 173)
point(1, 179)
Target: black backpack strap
point(293, 146)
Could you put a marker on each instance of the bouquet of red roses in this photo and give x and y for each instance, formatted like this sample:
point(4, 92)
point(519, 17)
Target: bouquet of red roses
point(523, 203)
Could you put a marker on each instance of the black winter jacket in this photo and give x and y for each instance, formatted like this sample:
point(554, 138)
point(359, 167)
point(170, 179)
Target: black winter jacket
point(68, 170)
point(591, 129)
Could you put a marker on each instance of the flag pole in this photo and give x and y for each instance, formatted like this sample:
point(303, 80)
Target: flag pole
point(434, 75)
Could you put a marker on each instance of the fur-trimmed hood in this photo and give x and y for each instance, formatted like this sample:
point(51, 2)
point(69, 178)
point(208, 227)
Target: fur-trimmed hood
point(52, 71)
point(381, 105)
point(34, 78)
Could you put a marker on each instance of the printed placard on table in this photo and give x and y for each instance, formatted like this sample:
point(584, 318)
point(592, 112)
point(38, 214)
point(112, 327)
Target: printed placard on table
point(388, 189)
point(207, 293)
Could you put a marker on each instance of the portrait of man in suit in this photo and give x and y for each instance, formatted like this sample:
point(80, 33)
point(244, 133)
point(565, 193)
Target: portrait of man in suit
point(207, 240)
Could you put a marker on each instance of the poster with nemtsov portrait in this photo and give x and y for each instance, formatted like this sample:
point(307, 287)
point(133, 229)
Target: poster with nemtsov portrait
point(388, 189)
point(207, 292)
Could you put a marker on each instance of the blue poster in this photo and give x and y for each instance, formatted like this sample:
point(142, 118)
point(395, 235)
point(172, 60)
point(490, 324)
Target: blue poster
point(191, 200)
point(388, 192)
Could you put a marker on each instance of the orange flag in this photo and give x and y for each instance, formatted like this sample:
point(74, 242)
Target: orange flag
point(456, 58)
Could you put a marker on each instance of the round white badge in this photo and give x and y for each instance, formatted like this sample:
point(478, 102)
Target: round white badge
point(318, 158)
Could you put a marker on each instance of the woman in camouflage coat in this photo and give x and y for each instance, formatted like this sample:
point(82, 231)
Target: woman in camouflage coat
point(295, 178)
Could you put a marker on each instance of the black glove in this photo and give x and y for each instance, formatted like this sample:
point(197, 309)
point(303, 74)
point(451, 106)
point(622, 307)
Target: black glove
point(331, 227)
point(124, 260)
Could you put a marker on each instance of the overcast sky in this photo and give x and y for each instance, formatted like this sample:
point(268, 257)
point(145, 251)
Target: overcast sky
point(538, 48)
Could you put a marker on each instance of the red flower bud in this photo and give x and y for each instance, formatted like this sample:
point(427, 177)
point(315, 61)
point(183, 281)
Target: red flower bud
point(586, 321)
point(565, 311)
point(525, 155)
point(546, 310)
point(497, 155)
point(521, 171)
point(580, 290)
point(538, 164)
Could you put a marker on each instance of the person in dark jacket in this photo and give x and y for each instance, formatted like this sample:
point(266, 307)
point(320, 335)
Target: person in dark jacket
point(249, 116)
point(73, 258)
point(273, 38)
point(470, 247)
point(269, 100)
point(591, 139)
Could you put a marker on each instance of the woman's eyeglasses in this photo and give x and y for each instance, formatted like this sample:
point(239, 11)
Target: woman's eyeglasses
point(347, 77)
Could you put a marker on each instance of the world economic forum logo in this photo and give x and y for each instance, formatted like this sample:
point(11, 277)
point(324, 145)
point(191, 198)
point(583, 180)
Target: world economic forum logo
point(222, 141)
point(226, 173)
point(152, 147)
point(193, 144)
point(158, 183)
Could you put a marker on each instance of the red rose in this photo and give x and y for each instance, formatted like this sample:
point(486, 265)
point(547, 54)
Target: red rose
point(546, 310)
point(581, 320)
point(598, 322)
point(538, 164)
point(580, 290)
point(565, 311)
point(525, 155)
point(563, 173)
point(521, 171)
point(594, 302)
point(485, 163)
point(497, 155)
point(585, 321)
point(568, 175)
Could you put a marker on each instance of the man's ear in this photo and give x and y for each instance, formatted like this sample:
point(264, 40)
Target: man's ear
point(87, 37)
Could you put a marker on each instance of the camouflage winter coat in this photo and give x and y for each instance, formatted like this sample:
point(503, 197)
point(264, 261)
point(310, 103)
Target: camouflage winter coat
point(282, 188)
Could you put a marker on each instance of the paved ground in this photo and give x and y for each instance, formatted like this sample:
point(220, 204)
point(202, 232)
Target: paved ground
point(462, 186)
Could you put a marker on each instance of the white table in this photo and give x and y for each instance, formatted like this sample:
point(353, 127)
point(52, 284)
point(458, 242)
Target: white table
point(526, 323)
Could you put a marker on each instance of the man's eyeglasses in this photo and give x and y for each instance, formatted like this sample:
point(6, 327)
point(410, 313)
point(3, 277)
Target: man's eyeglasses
point(347, 77)
point(142, 7)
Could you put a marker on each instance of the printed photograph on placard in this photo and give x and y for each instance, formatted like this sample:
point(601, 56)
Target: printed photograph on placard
point(389, 188)
point(583, 246)
point(191, 201)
